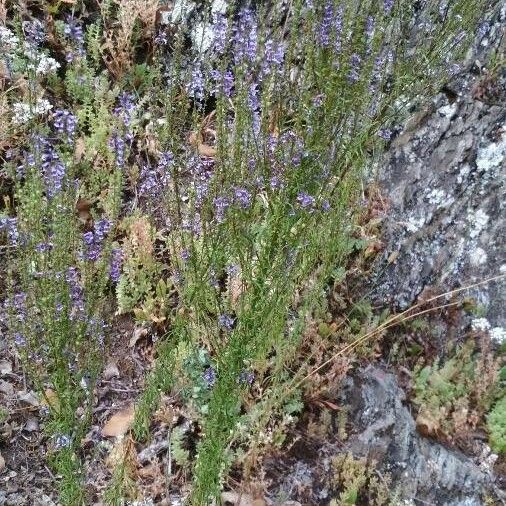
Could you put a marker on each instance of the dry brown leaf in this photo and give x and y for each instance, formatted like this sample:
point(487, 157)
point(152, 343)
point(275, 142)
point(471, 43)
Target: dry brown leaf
point(392, 257)
point(79, 149)
point(6, 388)
point(5, 367)
point(206, 150)
point(119, 423)
point(122, 453)
point(426, 424)
point(29, 398)
point(111, 370)
point(50, 398)
point(239, 499)
point(137, 334)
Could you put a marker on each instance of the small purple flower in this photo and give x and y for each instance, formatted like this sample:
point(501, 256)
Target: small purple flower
point(9, 225)
point(274, 54)
point(246, 377)
point(65, 123)
point(224, 82)
point(220, 204)
point(18, 304)
point(354, 72)
point(91, 249)
point(195, 87)
point(225, 321)
point(209, 376)
point(387, 5)
point(115, 264)
point(42, 247)
point(385, 133)
point(242, 197)
point(338, 28)
point(93, 239)
point(125, 107)
point(245, 36)
point(325, 24)
point(219, 33)
point(232, 269)
point(305, 200)
point(325, 205)
point(276, 183)
point(102, 227)
point(61, 441)
point(73, 31)
point(118, 146)
point(185, 254)
point(19, 339)
point(53, 169)
point(34, 31)
point(75, 292)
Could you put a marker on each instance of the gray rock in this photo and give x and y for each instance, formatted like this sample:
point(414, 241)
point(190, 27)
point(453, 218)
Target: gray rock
point(444, 180)
point(423, 471)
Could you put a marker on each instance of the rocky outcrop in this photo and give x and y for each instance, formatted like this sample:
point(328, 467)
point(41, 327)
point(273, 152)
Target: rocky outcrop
point(423, 471)
point(444, 181)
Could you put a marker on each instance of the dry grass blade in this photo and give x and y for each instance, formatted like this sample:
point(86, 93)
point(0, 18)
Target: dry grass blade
point(396, 320)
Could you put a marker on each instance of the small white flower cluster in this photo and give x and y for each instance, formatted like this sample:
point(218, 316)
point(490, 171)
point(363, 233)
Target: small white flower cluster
point(35, 60)
point(39, 62)
point(8, 40)
point(497, 334)
point(22, 112)
point(480, 324)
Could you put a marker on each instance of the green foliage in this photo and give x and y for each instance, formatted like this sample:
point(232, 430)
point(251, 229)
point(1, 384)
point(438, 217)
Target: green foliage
point(233, 210)
point(452, 396)
point(496, 424)
point(356, 479)
point(177, 440)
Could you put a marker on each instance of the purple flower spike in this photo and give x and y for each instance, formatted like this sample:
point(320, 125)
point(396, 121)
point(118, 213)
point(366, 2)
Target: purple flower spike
point(209, 376)
point(387, 5)
point(219, 33)
point(220, 205)
point(242, 197)
point(75, 292)
point(305, 200)
point(10, 226)
point(225, 321)
point(354, 72)
point(115, 264)
point(65, 123)
point(245, 36)
point(323, 34)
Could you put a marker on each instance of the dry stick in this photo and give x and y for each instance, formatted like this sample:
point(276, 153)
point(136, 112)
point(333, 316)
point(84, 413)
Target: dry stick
point(394, 320)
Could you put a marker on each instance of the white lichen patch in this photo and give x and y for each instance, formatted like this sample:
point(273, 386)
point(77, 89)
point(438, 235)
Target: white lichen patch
point(448, 111)
point(439, 198)
point(498, 335)
point(413, 224)
point(492, 155)
point(478, 221)
point(480, 324)
point(477, 256)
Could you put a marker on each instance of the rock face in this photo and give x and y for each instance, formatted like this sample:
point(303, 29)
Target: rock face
point(444, 180)
point(423, 471)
